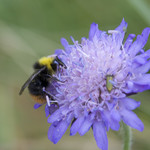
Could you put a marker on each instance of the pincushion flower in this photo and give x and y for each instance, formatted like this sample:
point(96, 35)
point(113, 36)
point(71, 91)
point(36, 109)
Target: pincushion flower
point(102, 71)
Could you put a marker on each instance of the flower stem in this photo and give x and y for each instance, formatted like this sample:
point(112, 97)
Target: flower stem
point(127, 135)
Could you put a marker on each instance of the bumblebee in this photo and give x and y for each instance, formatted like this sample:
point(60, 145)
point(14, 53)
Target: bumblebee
point(45, 68)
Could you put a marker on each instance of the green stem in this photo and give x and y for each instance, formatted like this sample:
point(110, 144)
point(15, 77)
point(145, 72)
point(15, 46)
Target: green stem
point(127, 137)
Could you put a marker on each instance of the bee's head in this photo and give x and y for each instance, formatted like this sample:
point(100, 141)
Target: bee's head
point(56, 63)
point(51, 62)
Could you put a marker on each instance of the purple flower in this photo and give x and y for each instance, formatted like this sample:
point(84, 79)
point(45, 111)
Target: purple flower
point(102, 71)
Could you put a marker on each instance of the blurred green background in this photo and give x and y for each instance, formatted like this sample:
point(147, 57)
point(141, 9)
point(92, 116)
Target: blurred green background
point(30, 29)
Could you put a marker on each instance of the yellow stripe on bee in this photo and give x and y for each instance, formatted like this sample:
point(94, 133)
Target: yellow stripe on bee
point(46, 61)
point(109, 85)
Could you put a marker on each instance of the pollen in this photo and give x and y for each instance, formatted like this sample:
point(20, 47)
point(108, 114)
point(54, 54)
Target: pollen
point(46, 61)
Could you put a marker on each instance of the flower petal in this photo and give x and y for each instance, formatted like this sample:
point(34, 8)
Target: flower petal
point(93, 29)
point(76, 125)
point(120, 35)
point(140, 42)
point(59, 128)
point(110, 120)
point(143, 80)
point(122, 26)
point(59, 131)
point(140, 88)
point(142, 58)
point(139, 60)
point(65, 43)
point(115, 119)
point(56, 116)
point(100, 135)
point(51, 132)
point(129, 103)
point(86, 125)
point(46, 110)
point(37, 105)
point(50, 109)
point(129, 41)
point(131, 119)
point(59, 51)
point(115, 115)
point(144, 68)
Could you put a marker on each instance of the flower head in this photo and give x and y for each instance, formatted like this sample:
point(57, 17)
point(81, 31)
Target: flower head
point(102, 71)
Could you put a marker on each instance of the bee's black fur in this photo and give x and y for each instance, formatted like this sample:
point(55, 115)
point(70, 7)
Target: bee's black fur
point(40, 79)
point(37, 84)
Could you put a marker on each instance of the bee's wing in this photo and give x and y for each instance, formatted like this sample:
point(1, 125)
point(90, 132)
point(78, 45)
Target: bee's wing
point(30, 79)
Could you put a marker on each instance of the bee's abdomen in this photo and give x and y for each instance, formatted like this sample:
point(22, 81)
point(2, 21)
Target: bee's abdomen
point(39, 99)
point(36, 89)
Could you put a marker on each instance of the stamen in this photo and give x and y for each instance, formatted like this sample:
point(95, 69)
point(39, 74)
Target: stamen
point(82, 52)
point(112, 31)
point(72, 39)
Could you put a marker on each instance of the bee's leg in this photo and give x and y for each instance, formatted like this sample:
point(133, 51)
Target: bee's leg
point(48, 76)
point(49, 94)
point(53, 78)
point(60, 62)
point(50, 101)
